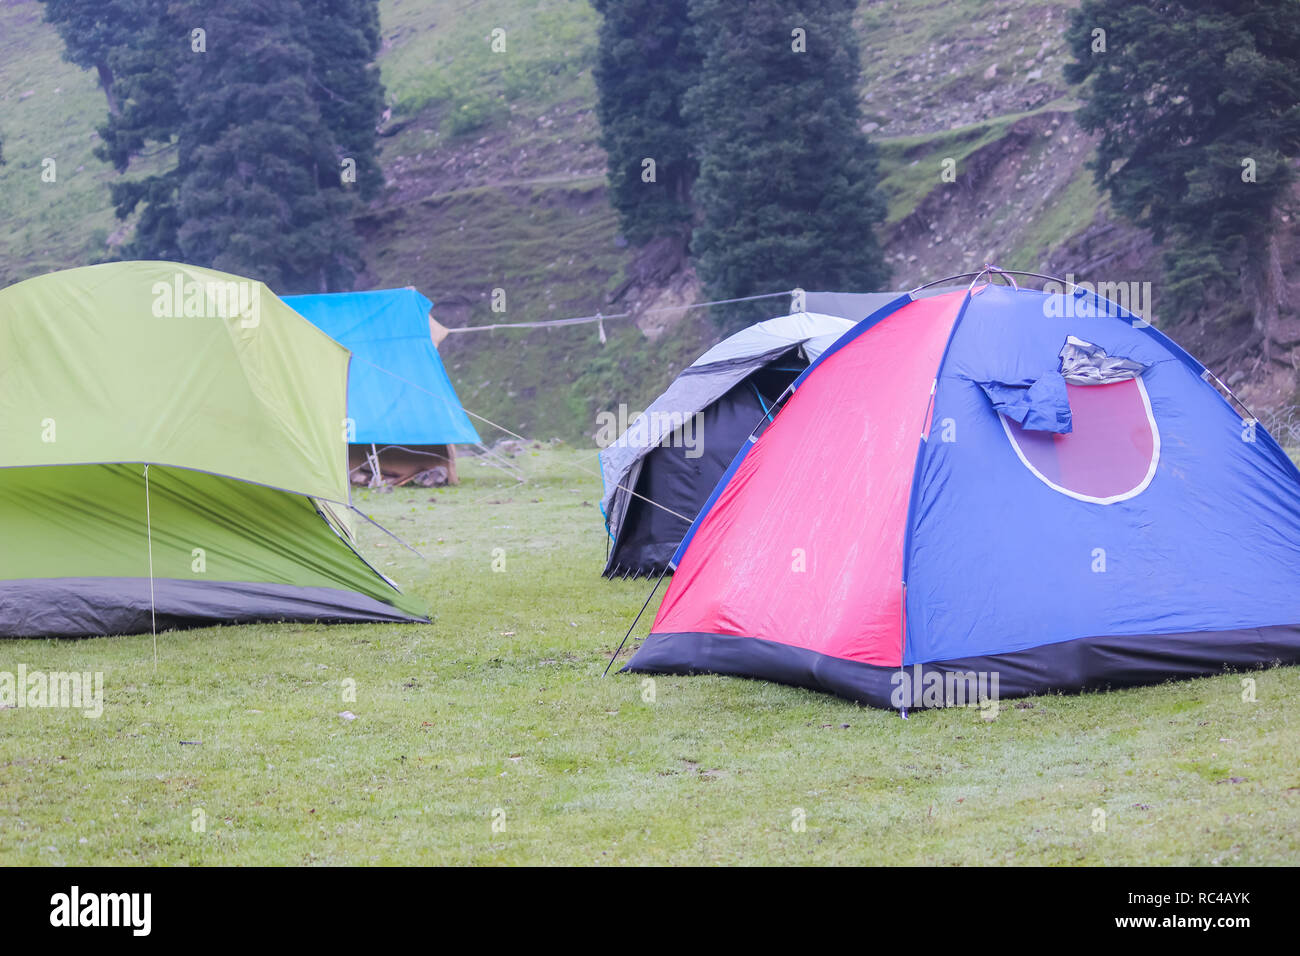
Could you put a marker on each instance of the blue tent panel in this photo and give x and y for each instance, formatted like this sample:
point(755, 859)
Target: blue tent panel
point(1011, 550)
point(398, 390)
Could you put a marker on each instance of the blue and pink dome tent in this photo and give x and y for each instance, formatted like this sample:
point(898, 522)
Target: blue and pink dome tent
point(1036, 487)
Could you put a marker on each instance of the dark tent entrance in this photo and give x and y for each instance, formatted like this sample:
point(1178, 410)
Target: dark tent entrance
point(660, 472)
point(681, 472)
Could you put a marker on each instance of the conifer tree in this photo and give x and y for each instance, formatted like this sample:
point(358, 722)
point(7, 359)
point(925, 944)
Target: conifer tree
point(787, 193)
point(96, 33)
point(260, 190)
point(344, 39)
point(1198, 107)
point(645, 62)
point(269, 108)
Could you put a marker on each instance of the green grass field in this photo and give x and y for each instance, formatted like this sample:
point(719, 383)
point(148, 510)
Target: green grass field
point(490, 736)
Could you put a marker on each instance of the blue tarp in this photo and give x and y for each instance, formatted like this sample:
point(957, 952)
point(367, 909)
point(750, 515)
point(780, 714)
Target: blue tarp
point(398, 390)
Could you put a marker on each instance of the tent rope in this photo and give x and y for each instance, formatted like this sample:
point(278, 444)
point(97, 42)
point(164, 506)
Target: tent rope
point(517, 436)
point(153, 610)
point(503, 464)
point(599, 318)
point(387, 532)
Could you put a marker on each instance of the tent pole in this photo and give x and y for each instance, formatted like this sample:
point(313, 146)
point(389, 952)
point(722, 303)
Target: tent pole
point(635, 621)
point(1003, 272)
point(153, 611)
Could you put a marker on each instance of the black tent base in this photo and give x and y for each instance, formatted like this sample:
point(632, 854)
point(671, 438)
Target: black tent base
point(95, 607)
point(1085, 664)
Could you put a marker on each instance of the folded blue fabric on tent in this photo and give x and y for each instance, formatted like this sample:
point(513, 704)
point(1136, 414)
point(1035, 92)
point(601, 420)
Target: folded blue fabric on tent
point(1041, 405)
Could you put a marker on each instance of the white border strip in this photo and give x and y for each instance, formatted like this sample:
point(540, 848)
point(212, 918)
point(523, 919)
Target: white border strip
point(1151, 471)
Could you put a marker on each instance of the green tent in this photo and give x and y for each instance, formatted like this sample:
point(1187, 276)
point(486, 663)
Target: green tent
point(173, 448)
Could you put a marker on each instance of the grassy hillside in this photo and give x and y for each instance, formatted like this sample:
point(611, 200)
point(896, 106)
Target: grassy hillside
point(48, 110)
point(497, 712)
point(495, 180)
point(516, 200)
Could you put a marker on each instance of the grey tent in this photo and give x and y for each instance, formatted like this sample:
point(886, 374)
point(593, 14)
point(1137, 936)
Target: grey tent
point(659, 473)
point(854, 306)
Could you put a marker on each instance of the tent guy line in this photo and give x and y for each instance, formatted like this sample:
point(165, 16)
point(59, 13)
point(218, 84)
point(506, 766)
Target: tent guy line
point(512, 434)
point(153, 607)
point(600, 317)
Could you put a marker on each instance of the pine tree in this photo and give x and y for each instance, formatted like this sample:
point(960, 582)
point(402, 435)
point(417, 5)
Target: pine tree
point(260, 192)
point(646, 61)
point(1198, 107)
point(134, 47)
point(344, 39)
point(96, 33)
point(145, 111)
point(261, 108)
point(787, 193)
